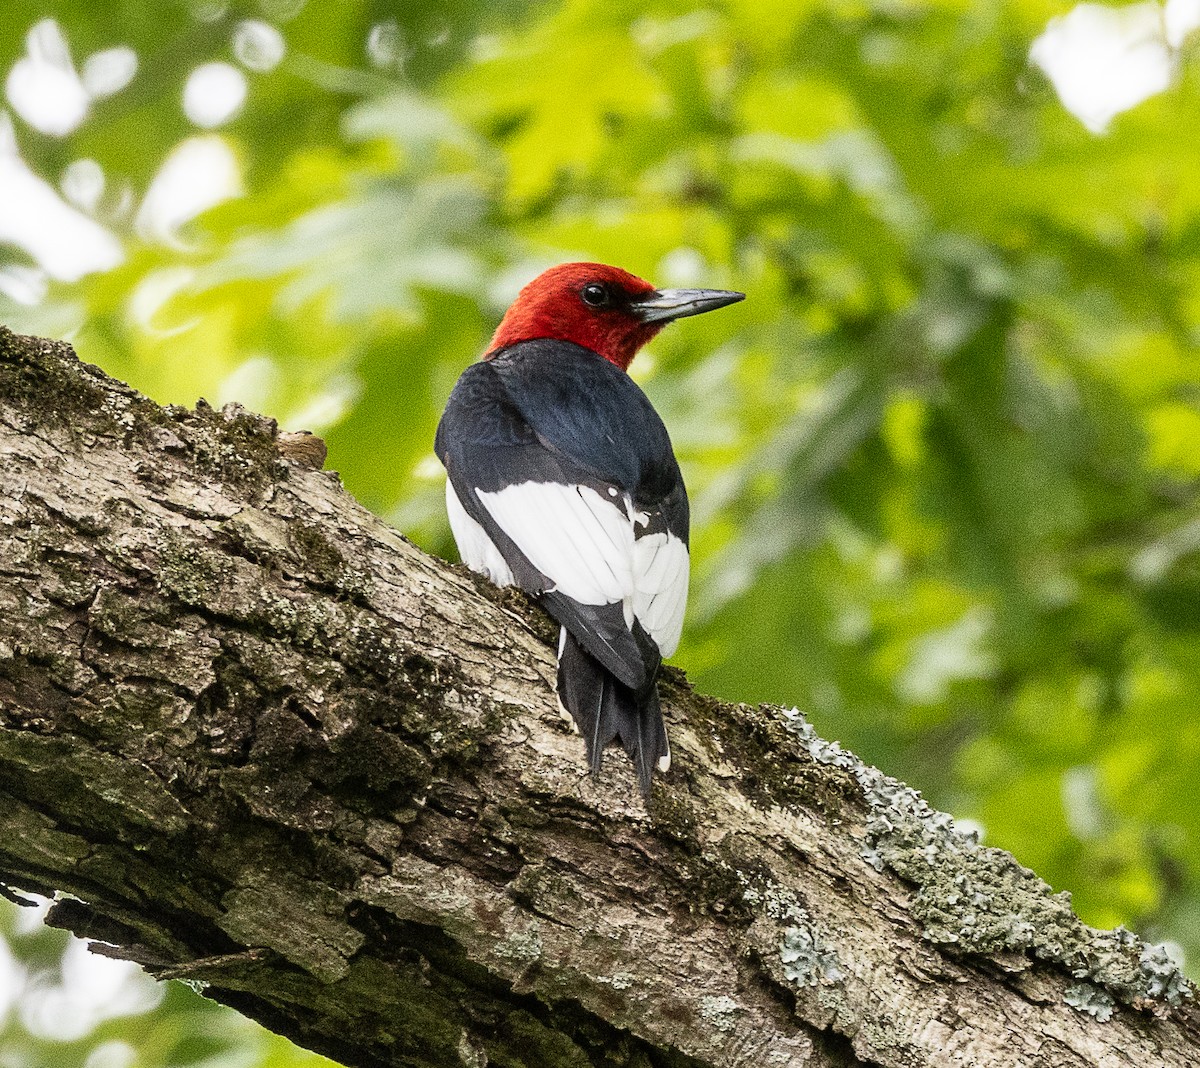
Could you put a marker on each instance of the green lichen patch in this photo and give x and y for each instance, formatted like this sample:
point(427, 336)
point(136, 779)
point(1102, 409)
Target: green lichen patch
point(764, 896)
point(673, 816)
point(973, 899)
point(370, 759)
point(309, 622)
point(90, 787)
point(236, 447)
point(46, 377)
point(32, 839)
point(303, 922)
point(45, 381)
point(325, 563)
point(188, 571)
point(757, 743)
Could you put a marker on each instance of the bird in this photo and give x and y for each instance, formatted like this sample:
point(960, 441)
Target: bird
point(561, 480)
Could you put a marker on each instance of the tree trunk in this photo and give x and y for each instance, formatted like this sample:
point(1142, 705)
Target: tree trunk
point(266, 744)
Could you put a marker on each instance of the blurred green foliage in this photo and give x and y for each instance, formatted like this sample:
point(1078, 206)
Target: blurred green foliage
point(944, 458)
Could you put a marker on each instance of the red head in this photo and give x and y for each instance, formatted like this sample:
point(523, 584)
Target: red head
point(605, 309)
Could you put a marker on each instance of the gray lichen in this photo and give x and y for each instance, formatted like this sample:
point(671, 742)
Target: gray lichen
point(521, 947)
point(975, 899)
point(1162, 975)
point(807, 961)
point(187, 571)
point(618, 980)
point(470, 1054)
point(1090, 999)
point(721, 1012)
point(767, 897)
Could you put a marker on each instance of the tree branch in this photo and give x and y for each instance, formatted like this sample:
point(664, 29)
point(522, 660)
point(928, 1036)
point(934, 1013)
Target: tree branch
point(265, 743)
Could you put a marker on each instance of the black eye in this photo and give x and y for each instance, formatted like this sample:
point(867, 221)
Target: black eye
point(595, 295)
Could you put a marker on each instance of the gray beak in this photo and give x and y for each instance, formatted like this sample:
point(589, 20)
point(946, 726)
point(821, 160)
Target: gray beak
point(663, 305)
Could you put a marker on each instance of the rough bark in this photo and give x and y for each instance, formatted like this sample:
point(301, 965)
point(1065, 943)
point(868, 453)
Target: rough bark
point(266, 744)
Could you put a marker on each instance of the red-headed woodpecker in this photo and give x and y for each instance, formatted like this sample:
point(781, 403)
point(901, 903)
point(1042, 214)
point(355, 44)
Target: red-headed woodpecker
point(562, 481)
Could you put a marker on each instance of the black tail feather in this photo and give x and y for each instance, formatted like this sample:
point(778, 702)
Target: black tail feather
point(605, 710)
point(649, 729)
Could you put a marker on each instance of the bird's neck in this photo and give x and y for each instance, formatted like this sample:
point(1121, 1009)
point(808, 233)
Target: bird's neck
point(615, 340)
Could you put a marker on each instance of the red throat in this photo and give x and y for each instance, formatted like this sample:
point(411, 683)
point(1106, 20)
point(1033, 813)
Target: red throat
point(551, 306)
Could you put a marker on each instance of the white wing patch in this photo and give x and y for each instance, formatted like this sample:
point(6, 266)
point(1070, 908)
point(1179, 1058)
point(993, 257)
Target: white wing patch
point(571, 535)
point(660, 568)
point(477, 550)
point(587, 547)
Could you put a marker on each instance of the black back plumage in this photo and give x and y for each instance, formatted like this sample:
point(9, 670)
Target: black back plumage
point(588, 415)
